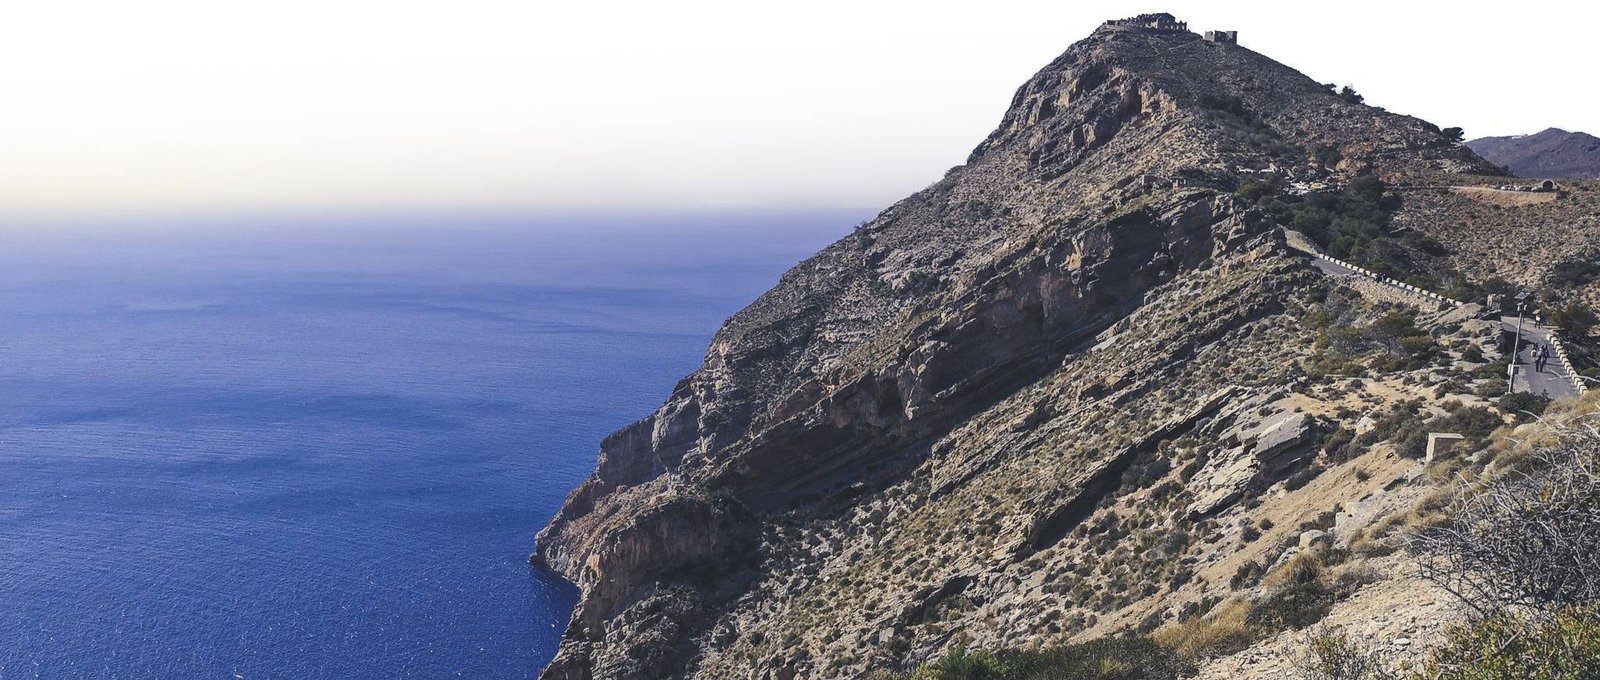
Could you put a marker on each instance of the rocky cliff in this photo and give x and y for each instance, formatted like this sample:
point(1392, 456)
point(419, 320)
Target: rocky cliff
point(930, 429)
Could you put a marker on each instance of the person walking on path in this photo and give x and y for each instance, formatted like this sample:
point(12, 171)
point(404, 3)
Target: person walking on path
point(1540, 357)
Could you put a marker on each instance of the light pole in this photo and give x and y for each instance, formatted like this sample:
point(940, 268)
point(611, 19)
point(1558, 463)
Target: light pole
point(1511, 369)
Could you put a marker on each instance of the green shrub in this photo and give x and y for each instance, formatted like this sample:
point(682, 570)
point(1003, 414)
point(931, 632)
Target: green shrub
point(1249, 534)
point(1303, 477)
point(1575, 321)
point(1250, 190)
point(1327, 154)
point(1115, 658)
point(961, 664)
point(1412, 443)
point(1337, 441)
point(1475, 422)
point(1574, 272)
point(1247, 575)
point(1507, 646)
point(1522, 404)
point(1335, 655)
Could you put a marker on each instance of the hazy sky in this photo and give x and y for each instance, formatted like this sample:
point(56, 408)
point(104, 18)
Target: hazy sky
point(109, 106)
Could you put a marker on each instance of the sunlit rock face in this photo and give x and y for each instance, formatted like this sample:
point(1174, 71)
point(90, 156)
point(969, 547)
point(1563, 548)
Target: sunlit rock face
point(917, 425)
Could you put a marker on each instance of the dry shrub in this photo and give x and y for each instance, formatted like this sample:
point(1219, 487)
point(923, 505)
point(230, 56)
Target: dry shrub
point(1330, 654)
point(1529, 538)
point(1297, 595)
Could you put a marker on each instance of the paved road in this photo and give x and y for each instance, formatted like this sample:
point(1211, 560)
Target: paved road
point(1553, 382)
point(1329, 267)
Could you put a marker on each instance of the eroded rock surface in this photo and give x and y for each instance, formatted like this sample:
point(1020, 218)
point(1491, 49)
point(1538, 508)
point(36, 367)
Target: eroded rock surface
point(927, 427)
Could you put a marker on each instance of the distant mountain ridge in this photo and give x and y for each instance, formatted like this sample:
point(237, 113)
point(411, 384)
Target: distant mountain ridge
point(1551, 153)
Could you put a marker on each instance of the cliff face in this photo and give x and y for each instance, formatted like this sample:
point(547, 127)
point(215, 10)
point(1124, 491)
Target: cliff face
point(927, 413)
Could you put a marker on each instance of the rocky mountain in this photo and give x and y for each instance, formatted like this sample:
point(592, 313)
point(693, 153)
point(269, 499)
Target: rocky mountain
point(1079, 385)
point(1552, 153)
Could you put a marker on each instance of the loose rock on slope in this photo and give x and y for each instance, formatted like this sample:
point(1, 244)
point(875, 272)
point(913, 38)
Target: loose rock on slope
point(917, 427)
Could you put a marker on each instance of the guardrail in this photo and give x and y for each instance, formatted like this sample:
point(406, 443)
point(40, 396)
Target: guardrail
point(1555, 340)
point(1566, 363)
point(1428, 294)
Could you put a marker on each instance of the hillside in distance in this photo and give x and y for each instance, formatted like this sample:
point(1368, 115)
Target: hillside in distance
point(1086, 383)
point(1552, 153)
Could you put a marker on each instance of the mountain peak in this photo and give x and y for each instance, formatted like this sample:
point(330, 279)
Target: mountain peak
point(1551, 153)
point(1150, 73)
point(1001, 336)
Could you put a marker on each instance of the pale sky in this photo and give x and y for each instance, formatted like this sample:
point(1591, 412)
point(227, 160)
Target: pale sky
point(161, 106)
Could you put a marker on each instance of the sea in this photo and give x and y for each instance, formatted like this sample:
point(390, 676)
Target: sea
point(320, 446)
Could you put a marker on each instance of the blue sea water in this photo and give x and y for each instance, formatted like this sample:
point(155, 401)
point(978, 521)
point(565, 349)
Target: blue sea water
point(320, 449)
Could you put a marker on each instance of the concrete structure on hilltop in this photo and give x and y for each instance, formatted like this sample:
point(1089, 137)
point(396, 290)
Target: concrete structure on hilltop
point(1227, 37)
point(1160, 21)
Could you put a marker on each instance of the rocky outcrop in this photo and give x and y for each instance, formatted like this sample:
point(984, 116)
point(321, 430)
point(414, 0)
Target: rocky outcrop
point(1017, 346)
point(1259, 449)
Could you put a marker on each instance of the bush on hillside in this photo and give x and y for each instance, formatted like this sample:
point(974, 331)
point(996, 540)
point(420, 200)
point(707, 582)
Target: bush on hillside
point(1335, 655)
point(1529, 540)
point(1576, 321)
point(960, 663)
point(1222, 631)
point(1574, 272)
point(1523, 405)
point(1475, 422)
point(1298, 594)
point(1565, 646)
point(1114, 658)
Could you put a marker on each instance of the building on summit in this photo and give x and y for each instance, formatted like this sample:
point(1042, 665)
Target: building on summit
point(1160, 21)
point(1227, 37)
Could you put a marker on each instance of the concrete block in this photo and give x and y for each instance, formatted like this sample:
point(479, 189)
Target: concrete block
point(1440, 443)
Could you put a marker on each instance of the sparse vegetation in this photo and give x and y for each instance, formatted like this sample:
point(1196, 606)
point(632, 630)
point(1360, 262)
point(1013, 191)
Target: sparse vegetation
point(1527, 540)
point(1298, 594)
point(1115, 658)
point(1334, 655)
point(1223, 631)
point(1506, 646)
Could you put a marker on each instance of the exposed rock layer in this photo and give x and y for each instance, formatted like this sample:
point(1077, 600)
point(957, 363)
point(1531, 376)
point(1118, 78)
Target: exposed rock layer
point(970, 379)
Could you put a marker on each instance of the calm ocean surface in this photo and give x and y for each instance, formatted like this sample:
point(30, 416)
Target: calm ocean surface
point(321, 450)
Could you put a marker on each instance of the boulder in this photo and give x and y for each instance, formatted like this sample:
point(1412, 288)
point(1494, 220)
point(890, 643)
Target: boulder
point(1315, 539)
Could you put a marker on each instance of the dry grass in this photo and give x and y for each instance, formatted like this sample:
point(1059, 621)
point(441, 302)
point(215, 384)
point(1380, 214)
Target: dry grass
point(1304, 567)
point(1505, 198)
point(1223, 631)
point(1512, 449)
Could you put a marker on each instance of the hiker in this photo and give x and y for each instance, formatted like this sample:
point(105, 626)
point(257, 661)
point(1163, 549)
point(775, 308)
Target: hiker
point(1540, 357)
